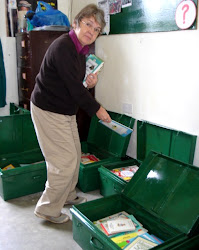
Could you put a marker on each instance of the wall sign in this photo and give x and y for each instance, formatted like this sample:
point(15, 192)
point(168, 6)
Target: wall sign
point(152, 16)
point(185, 14)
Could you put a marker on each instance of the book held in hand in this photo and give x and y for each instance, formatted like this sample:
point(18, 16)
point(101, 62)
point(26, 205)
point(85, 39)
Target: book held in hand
point(93, 65)
point(117, 127)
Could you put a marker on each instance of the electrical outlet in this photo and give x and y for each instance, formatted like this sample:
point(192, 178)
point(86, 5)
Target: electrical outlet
point(127, 108)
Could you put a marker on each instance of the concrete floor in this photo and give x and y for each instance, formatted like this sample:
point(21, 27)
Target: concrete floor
point(20, 229)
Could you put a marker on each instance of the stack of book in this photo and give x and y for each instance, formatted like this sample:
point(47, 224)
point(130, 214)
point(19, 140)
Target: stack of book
point(88, 158)
point(126, 173)
point(127, 232)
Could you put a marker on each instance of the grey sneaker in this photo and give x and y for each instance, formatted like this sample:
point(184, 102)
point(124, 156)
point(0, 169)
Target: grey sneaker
point(61, 219)
point(76, 201)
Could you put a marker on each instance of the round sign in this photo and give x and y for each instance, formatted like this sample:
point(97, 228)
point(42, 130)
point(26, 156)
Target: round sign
point(185, 14)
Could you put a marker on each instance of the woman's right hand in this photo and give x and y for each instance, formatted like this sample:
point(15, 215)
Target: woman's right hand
point(103, 115)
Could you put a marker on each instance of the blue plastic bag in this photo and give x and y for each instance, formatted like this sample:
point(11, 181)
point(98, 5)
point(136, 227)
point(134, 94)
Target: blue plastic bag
point(49, 16)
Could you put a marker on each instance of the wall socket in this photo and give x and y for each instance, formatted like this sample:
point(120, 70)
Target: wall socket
point(127, 108)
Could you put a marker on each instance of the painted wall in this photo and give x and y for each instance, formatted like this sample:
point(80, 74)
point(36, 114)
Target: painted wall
point(157, 74)
point(153, 75)
point(9, 53)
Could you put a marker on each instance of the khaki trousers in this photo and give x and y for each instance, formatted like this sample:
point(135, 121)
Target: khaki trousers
point(59, 142)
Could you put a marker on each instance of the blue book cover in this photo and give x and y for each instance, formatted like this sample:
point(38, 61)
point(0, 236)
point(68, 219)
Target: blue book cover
point(117, 127)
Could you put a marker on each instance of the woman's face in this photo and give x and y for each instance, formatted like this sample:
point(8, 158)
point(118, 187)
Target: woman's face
point(87, 31)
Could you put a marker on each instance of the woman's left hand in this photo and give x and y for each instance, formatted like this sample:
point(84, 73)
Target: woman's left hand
point(91, 80)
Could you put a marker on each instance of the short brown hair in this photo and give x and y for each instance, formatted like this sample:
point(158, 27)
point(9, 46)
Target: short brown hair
point(91, 10)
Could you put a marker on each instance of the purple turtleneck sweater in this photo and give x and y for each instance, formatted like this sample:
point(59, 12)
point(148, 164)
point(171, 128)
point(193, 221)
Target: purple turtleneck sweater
point(80, 50)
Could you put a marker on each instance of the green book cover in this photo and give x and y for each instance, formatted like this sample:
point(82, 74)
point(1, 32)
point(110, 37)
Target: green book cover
point(93, 65)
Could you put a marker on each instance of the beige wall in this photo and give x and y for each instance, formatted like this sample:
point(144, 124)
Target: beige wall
point(154, 74)
point(9, 52)
point(2, 18)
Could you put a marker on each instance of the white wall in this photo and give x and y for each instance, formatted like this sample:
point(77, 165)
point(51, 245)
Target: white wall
point(9, 53)
point(157, 73)
point(65, 7)
point(154, 73)
point(2, 19)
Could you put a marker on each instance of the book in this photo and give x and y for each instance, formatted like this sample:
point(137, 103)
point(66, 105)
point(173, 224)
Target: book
point(10, 166)
point(117, 225)
point(150, 237)
point(138, 225)
point(102, 225)
point(121, 214)
point(125, 173)
point(124, 240)
point(104, 220)
point(117, 127)
point(158, 240)
point(88, 158)
point(140, 243)
point(120, 225)
point(124, 237)
point(93, 65)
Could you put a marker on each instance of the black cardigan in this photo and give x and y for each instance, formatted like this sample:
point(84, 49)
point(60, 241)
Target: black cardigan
point(58, 86)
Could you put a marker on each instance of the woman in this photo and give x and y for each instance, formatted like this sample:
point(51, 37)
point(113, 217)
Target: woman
point(57, 94)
